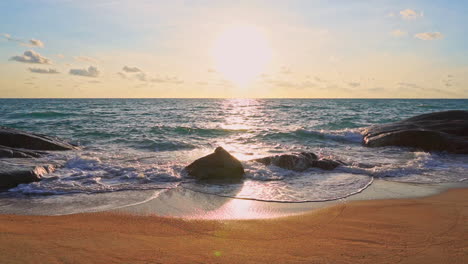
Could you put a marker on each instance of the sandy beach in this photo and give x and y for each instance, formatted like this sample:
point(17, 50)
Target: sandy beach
point(423, 230)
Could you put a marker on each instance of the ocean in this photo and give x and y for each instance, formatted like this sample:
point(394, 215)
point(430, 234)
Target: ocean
point(143, 144)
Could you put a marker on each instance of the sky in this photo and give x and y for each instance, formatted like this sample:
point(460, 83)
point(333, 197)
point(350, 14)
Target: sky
point(254, 49)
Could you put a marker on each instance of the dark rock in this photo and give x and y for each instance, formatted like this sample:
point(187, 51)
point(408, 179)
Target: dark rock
point(219, 165)
point(12, 175)
point(299, 161)
point(440, 131)
point(6, 152)
point(14, 138)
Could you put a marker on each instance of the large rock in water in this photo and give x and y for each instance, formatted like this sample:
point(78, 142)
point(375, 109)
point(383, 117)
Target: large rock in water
point(439, 131)
point(20, 145)
point(299, 161)
point(14, 138)
point(219, 165)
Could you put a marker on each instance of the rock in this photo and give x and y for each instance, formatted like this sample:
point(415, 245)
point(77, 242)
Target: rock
point(16, 145)
point(219, 165)
point(439, 131)
point(299, 161)
point(6, 152)
point(12, 175)
point(14, 138)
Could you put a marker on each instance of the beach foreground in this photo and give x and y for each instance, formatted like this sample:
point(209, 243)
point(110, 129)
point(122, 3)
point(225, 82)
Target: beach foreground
point(424, 230)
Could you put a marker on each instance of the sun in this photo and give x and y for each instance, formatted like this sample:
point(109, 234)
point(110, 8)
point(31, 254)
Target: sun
point(241, 53)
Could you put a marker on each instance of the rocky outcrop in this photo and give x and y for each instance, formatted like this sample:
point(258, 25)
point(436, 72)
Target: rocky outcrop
point(17, 144)
point(439, 131)
point(219, 165)
point(299, 161)
point(12, 175)
point(14, 138)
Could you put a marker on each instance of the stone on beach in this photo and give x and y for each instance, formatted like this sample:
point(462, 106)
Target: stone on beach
point(299, 161)
point(439, 131)
point(219, 165)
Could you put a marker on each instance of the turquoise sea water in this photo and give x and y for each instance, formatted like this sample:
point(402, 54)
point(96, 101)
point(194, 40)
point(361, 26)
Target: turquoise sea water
point(143, 144)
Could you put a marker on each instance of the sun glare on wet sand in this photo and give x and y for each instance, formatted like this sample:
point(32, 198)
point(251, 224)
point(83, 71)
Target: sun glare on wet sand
point(241, 53)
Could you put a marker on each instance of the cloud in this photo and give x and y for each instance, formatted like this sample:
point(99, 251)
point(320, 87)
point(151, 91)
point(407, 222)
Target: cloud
point(131, 69)
point(36, 43)
point(45, 71)
point(410, 14)
point(168, 79)
point(86, 59)
point(171, 80)
point(141, 76)
point(61, 56)
point(398, 33)
point(429, 35)
point(29, 43)
point(90, 72)
point(317, 79)
point(122, 75)
point(30, 56)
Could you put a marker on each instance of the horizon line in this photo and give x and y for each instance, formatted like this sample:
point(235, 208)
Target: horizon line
point(267, 98)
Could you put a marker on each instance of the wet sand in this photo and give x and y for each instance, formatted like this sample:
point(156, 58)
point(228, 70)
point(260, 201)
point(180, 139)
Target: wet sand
point(421, 230)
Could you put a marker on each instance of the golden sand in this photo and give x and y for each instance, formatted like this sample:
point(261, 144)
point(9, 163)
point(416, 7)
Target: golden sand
point(424, 230)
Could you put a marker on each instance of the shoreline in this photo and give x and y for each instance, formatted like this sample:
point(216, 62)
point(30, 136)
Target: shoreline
point(417, 230)
point(185, 203)
point(188, 204)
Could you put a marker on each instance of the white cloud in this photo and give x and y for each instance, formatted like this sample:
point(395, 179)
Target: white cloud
point(86, 59)
point(36, 43)
point(398, 33)
point(46, 71)
point(410, 14)
point(30, 56)
point(90, 72)
point(29, 43)
point(429, 35)
point(131, 69)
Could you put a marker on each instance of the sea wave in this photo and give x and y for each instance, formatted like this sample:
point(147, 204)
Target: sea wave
point(343, 135)
point(198, 131)
point(41, 115)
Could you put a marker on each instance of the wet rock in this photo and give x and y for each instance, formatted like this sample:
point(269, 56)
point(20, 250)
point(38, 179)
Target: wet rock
point(16, 145)
point(14, 138)
point(6, 152)
point(12, 175)
point(219, 165)
point(439, 131)
point(299, 161)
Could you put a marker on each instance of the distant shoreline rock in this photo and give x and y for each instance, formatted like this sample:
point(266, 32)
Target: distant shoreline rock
point(438, 131)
